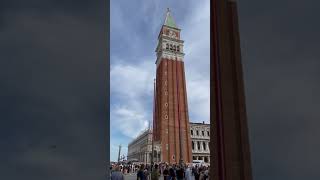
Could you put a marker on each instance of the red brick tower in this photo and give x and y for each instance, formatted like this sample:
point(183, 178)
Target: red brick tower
point(171, 119)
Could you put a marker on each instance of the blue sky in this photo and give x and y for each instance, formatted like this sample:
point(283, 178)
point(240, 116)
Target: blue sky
point(134, 29)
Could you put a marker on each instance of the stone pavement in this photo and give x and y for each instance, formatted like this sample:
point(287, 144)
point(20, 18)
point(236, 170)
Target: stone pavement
point(134, 177)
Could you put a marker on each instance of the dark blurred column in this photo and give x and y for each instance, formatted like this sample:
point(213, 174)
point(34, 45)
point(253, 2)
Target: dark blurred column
point(230, 150)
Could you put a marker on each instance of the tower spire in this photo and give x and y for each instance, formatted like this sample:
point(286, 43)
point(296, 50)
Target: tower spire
point(169, 20)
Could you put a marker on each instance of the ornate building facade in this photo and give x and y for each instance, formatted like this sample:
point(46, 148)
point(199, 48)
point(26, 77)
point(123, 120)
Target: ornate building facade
point(200, 139)
point(140, 149)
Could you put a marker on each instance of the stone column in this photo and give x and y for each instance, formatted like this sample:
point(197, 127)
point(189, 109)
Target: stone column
point(196, 145)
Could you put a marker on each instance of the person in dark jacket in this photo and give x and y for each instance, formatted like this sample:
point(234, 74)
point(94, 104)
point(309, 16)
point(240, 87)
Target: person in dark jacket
point(166, 173)
point(172, 174)
point(196, 173)
point(117, 174)
point(180, 173)
point(140, 174)
point(155, 174)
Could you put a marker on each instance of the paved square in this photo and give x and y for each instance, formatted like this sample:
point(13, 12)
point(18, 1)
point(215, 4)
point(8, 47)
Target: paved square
point(134, 177)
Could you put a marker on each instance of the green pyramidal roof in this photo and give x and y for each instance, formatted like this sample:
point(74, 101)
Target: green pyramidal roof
point(169, 20)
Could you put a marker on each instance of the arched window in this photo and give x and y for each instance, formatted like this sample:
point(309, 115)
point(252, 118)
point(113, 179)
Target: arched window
point(178, 48)
point(171, 47)
point(204, 146)
point(167, 46)
point(198, 145)
point(208, 133)
point(202, 133)
point(197, 133)
point(192, 145)
point(191, 132)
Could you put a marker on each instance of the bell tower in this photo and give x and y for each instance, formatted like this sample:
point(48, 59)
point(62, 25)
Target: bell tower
point(171, 119)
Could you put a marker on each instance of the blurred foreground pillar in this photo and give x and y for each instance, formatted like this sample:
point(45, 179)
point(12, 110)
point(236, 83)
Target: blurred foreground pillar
point(230, 150)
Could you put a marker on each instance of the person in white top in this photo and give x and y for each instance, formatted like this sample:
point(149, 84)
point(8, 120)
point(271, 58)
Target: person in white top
point(188, 173)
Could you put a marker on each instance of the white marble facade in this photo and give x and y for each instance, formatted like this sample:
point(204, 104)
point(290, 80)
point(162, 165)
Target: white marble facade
point(200, 138)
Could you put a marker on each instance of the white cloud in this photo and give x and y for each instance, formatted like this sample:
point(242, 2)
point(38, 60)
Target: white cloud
point(199, 100)
point(132, 80)
point(133, 84)
point(131, 89)
point(196, 33)
point(129, 120)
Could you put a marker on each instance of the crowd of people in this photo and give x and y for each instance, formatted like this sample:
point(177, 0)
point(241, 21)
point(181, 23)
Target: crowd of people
point(167, 171)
